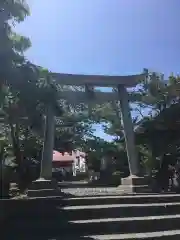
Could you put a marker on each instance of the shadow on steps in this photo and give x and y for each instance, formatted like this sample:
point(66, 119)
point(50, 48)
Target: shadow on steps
point(39, 219)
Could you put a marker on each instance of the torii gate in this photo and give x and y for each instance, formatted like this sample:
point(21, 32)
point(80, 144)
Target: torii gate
point(91, 81)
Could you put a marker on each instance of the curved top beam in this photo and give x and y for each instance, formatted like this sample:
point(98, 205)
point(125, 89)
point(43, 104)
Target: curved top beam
point(97, 80)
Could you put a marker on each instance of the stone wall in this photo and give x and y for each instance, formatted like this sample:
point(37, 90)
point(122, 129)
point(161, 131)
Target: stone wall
point(13, 208)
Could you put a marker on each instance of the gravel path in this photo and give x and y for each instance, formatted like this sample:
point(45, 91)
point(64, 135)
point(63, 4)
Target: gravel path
point(81, 189)
point(96, 191)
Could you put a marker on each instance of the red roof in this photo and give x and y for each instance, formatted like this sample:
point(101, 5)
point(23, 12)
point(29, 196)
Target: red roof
point(62, 157)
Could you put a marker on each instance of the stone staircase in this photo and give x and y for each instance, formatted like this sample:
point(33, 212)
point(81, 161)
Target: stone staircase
point(98, 217)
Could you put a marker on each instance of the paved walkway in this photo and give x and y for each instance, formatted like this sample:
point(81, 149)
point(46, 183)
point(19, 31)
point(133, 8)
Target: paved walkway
point(82, 189)
point(97, 191)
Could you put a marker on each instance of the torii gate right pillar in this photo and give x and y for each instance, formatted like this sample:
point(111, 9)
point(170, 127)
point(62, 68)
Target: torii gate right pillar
point(133, 183)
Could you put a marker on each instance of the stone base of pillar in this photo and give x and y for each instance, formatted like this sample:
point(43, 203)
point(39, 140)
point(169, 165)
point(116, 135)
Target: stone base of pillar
point(43, 188)
point(135, 184)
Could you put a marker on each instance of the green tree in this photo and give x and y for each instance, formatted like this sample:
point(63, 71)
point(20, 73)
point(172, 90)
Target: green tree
point(12, 44)
point(160, 97)
point(149, 99)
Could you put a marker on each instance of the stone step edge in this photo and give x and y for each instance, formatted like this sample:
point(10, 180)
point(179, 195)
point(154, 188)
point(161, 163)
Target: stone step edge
point(83, 207)
point(127, 219)
point(123, 196)
point(123, 236)
point(134, 235)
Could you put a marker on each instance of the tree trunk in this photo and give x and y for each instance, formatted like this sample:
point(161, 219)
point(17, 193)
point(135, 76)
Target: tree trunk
point(18, 155)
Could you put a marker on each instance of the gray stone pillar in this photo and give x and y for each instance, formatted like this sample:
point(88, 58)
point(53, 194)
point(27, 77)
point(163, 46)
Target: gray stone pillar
point(47, 154)
point(45, 186)
point(128, 131)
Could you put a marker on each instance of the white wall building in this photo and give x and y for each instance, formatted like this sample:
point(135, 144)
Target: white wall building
point(79, 164)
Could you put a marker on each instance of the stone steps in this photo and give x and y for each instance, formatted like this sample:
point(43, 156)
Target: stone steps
point(124, 225)
point(101, 218)
point(149, 216)
point(163, 235)
point(122, 199)
point(103, 211)
point(173, 235)
point(116, 210)
point(100, 226)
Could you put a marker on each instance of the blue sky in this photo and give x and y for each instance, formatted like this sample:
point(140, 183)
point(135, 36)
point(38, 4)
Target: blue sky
point(104, 36)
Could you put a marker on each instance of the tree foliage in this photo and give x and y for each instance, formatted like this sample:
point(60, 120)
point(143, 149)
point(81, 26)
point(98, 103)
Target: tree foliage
point(26, 90)
point(152, 105)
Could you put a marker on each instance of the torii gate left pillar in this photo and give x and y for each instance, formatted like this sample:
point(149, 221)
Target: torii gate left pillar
point(45, 185)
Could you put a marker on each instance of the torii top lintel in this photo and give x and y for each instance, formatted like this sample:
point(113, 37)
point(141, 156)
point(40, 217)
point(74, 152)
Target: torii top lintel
point(97, 80)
